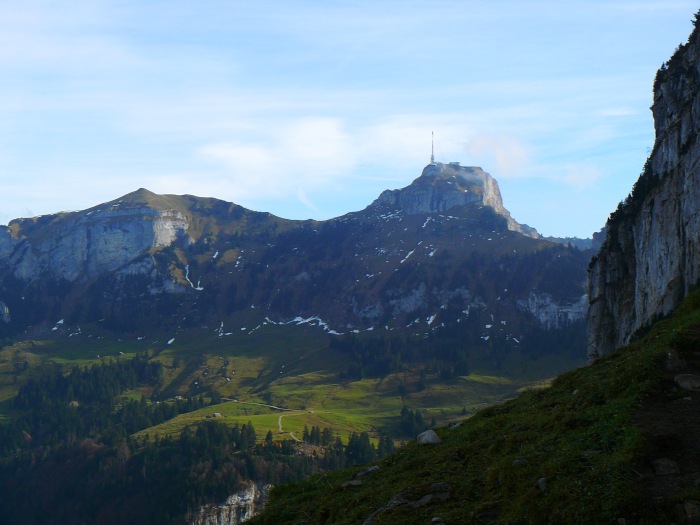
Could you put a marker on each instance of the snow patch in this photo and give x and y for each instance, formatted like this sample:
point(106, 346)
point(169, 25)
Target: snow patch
point(187, 278)
point(314, 321)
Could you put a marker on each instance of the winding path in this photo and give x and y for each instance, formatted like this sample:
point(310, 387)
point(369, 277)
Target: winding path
point(279, 420)
point(279, 427)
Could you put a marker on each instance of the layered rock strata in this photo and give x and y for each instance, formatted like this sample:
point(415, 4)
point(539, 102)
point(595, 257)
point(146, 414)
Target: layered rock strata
point(650, 257)
point(237, 508)
point(444, 186)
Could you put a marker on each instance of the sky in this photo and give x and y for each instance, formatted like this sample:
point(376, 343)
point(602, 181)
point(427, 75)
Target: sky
point(310, 109)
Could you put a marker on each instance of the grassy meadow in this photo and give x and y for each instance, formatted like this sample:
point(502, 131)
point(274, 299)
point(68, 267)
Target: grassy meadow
point(288, 367)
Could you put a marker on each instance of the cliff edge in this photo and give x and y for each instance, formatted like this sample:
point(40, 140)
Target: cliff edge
point(650, 258)
point(444, 186)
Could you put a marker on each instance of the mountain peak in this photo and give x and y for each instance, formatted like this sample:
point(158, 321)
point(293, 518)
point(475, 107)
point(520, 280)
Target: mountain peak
point(143, 197)
point(441, 187)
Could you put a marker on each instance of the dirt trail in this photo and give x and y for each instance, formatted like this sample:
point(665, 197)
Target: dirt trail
point(279, 427)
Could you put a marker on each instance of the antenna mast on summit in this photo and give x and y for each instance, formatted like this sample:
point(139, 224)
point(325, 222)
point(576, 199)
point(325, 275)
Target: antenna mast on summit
point(432, 148)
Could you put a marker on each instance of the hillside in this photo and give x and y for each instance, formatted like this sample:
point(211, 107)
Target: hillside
point(614, 442)
point(188, 351)
point(440, 251)
point(439, 258)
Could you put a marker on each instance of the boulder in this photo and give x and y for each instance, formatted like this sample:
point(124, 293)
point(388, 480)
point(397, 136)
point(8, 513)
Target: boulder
point(429, 437)
point(688, 381)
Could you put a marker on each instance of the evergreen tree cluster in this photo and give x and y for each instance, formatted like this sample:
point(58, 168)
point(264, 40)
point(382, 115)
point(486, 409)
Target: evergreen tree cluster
point(57, 409)
point(143, 481)
point(377, 356)
point(70, 452)
point(316, 436)
point(358, 451)
point(412, 423)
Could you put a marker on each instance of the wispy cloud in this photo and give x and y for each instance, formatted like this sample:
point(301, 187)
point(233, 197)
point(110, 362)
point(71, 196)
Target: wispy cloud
point(298, 107)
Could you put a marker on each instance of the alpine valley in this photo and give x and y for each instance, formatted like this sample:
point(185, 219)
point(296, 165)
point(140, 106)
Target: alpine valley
point(615, 442)
point(167, 358)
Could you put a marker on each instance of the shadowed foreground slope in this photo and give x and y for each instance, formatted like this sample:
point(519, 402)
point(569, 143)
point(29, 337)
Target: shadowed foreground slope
point(591, 448)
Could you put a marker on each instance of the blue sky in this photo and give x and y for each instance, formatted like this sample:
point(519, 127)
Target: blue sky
point(311, 109)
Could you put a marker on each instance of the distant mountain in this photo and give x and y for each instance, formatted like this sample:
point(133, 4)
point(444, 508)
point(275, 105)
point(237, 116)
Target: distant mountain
point(440, 254)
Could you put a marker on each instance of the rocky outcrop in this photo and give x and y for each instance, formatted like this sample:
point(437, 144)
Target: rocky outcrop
point(650, 258)
point(237, 508)
point(552, 314)
point(7, 243)
point(87, 244)
point(4, 313)
point(444, 186)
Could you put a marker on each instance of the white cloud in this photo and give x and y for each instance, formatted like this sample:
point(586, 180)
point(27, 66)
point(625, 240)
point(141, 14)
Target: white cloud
point(580, 176)
point(295, 157)
point(301, 195)
point(310, 104)
point(505, 155)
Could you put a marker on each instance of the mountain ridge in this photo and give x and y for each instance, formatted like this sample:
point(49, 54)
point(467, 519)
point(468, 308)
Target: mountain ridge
point(211, 256)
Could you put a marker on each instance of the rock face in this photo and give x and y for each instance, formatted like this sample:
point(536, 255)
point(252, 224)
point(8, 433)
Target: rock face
point(441, 255)
point(551, 313)
point(86, 244)
point(444, 186)
point(650, 258)
point(237, 508)
point(4, 313)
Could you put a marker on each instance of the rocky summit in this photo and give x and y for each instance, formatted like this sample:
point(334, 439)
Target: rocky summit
point(444, 186)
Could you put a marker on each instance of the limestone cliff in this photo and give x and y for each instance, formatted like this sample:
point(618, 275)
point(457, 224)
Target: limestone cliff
point(444, 186)
point(237, 508)
point(651, 254)
point(89, 243)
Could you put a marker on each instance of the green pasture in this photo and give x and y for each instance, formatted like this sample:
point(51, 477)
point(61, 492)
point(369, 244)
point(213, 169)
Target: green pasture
point(287, 366)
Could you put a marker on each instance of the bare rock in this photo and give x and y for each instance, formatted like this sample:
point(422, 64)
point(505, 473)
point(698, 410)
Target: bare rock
point(647, 265)
point(366, 471)
point(542, 484)
point(351, 483)
point(665, 467)
point(429, 437)
point(688, 381)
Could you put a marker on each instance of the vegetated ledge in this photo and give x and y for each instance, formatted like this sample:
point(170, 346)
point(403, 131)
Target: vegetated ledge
point(585, 450)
